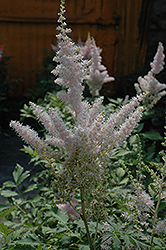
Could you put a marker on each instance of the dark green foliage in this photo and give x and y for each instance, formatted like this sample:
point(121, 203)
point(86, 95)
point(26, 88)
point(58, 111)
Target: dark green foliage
point(4, 81)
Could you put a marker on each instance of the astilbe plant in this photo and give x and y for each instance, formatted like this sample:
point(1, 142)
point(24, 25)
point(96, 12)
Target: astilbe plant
point(84, 150)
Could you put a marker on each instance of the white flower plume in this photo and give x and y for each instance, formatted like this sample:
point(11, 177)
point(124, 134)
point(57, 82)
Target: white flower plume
point(148, 88)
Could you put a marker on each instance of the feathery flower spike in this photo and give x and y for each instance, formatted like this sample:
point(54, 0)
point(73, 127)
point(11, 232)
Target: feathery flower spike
point(148, 88)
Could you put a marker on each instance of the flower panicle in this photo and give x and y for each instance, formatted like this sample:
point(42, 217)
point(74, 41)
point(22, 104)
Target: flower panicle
point(71, 69)
point(97, 72)
point(44, 118)
point(31, 137)
point(148, 88)
point(158, 62)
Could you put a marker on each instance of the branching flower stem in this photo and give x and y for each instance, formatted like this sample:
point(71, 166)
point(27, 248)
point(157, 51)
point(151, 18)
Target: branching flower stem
point(85, 220)
point(158, 203)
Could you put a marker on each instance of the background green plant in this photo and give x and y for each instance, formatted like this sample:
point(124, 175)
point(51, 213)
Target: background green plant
point(31, 219)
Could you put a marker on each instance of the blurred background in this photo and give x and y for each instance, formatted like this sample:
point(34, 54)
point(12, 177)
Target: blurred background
point(127, 31)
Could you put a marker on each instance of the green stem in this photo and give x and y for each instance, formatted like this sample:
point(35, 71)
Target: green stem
point(157, 206)
point(84, 219)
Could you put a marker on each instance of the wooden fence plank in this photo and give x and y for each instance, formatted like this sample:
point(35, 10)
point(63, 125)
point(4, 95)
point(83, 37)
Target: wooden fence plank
point(118, 26)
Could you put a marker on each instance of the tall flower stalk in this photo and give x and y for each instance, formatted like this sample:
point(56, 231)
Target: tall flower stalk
point(84, 150)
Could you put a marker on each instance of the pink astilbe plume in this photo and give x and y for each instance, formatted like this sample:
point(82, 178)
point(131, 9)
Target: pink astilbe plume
point(87, 146)
point(71, 68)
point(97, 74)
point(86, 49)
point(148, 88)
point(31, 137)
point(158, 62)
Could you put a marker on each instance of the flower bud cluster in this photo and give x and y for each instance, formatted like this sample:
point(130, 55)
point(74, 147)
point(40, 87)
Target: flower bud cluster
point(140, 207)
point(106, 240)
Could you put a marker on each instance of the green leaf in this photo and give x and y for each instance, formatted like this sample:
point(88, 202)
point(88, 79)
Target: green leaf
point(150, 152)
point(8, 193)
point(140, 127)
point(116, 241)
point(120, 172)
point(30, 188)
point(83, 247)
point(3, 207)
point(151, 191)
point(133, 139)
point(10, 184)
point(119, 153)
point(25, 175)
point(152, 135)
point(18, 174)
point(162, 206)
point(32, 240)
point(139, 243)
point(5, 230)
point(6, 212)
point(25, 247)
point(61, 217)
point(127, 241)
point(124, 181)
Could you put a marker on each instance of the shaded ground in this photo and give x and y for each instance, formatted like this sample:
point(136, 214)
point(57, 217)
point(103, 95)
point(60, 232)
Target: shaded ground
point(10, 155)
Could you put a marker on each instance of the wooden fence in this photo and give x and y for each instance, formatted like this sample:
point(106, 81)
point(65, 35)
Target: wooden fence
point(28, 26)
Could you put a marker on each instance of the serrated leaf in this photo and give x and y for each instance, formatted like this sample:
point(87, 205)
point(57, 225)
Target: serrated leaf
point(5, 230)
point(116, 241)
point(127, 241)
point(132, 139)
point(124, 181)
point(61, 217)
point(8, 193)
point(140, 127)
point(6, 212)
point(32, 240)
point(30, 188)
point(25, 247)
point(25, 175)
point(120, 152)
point(151, 191)
point(83, 247)
point(120, 172)
point(152, 135)
point(10, 184)
point(17, 173)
